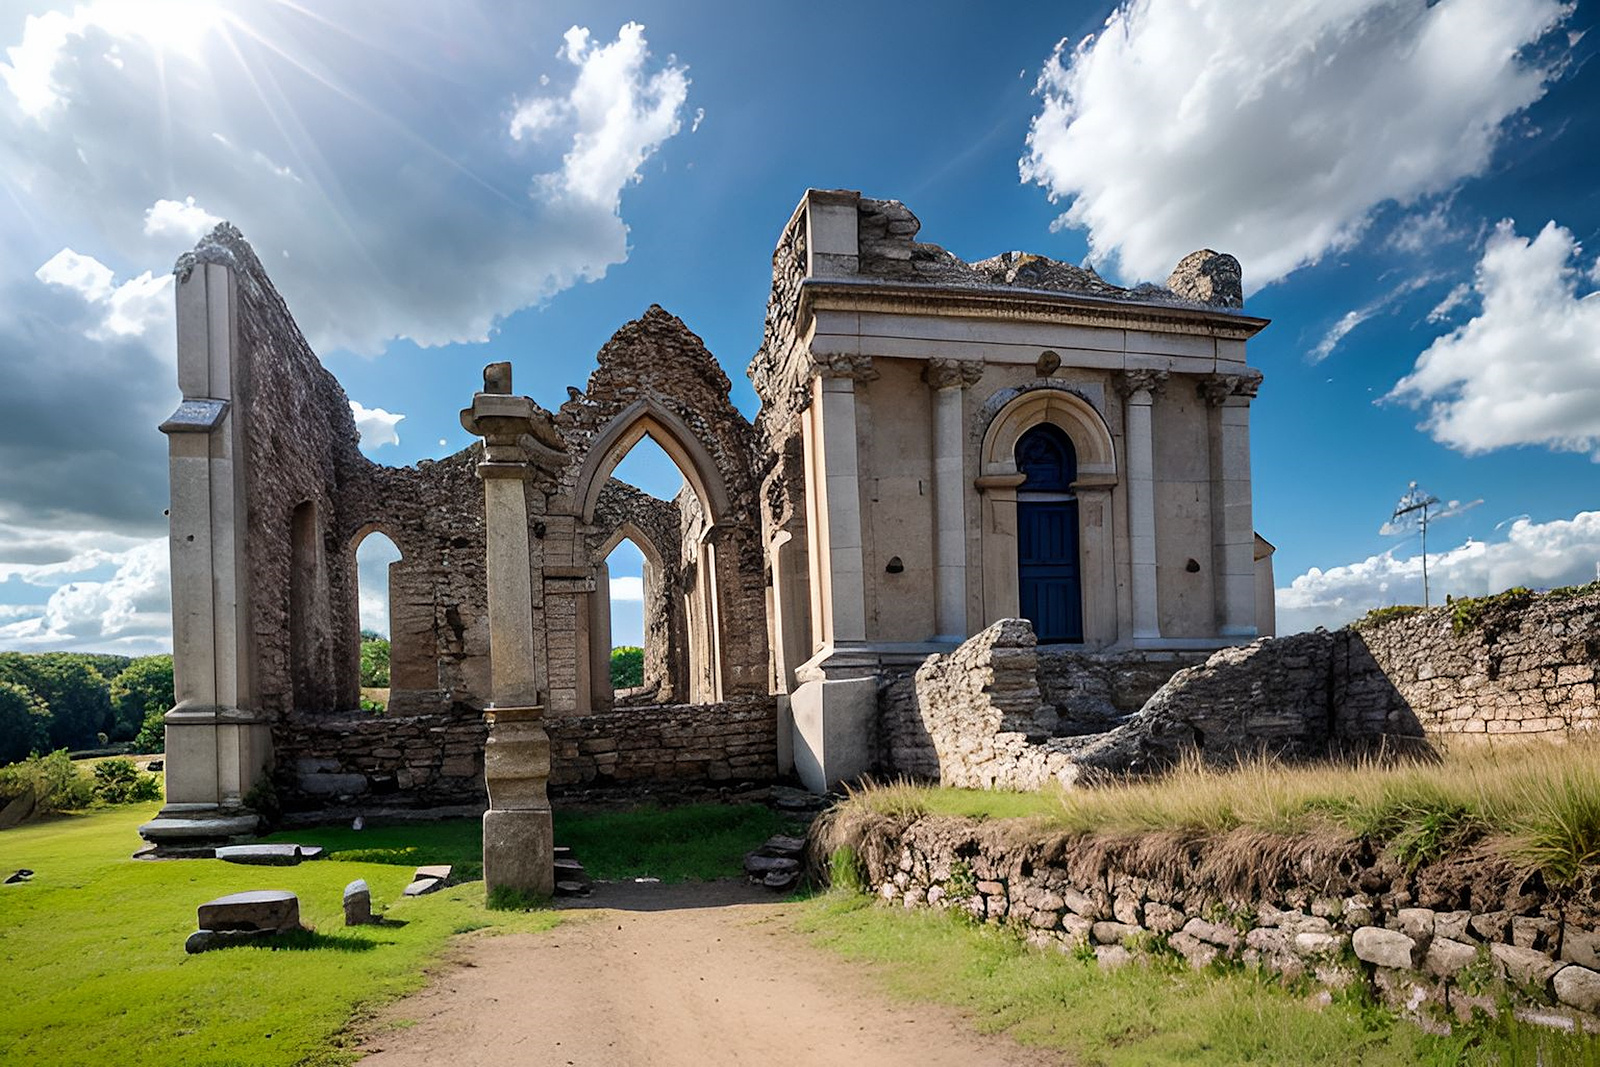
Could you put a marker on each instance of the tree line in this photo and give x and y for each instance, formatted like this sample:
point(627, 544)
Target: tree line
point(81, 700)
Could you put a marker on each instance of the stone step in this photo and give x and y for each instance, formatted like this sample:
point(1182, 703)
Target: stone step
point(568, 888)
point(759, 865)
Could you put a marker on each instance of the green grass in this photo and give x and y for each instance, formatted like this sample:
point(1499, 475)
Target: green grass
point(92, 951)
point(693, 842)
point(1537, 803)
point(1148, 1015)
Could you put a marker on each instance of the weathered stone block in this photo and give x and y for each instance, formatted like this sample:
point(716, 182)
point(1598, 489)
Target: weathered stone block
point(1578, 987)
point(1385, 948)
point(1525, 966)
point(262, 909)
point(357, 903)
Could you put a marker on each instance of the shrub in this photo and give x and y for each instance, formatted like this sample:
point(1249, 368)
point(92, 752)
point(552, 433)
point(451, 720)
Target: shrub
point(119, 781)
point(627, 667)
point(57, 783)
point(153, 734)
point(374, 661)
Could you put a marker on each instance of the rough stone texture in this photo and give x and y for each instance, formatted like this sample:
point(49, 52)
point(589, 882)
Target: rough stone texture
point(357, 903)
point(436, 760)
point(1212, 899)
point(259, 909)
point(995, 712)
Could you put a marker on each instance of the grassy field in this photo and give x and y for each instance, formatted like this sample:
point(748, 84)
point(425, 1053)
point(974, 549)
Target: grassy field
point(1538, 803)
point(92, 951)
point(1148, 1016)
point(92, 947)
point(696, 841)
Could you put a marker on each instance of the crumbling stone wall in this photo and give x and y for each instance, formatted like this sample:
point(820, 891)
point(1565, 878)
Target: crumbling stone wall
point(1438, 942)
point(990, 715)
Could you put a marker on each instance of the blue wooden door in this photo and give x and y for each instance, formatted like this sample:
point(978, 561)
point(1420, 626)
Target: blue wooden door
point(1050, 589)
point(1047, 562)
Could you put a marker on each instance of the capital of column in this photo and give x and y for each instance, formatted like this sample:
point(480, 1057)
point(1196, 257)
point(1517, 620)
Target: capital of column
point(953, 373)
point(1130, 383)
point(517, 433)
point(853, 368)
point(1217, 389)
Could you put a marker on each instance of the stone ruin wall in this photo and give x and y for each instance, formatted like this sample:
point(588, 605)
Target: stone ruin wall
point(305, 463)
point(422, 761)
point(998, 713)
point(1439, 943)
point(657, 367)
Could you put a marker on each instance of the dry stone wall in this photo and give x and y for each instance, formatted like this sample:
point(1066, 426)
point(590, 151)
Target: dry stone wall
point(1439, 943)
point(435, 760)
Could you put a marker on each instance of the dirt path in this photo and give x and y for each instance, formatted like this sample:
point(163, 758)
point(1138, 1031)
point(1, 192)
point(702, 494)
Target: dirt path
point(664, 976)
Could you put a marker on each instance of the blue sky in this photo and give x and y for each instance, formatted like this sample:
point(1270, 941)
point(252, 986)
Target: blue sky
point(1410, 187)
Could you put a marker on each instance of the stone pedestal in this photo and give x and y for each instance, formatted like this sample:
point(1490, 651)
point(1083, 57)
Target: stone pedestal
point(518, 842)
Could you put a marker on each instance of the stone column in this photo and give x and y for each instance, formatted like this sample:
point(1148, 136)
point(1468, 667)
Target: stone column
point(217, 744)
point(1233, 526)
point(949, 380)
point(846, 570)
point(518, 849)
point(1139, 389)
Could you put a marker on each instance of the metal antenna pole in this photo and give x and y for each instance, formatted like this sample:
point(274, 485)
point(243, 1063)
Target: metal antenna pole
point(1424, 526)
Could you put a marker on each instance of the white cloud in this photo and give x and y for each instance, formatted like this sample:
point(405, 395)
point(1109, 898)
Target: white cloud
point(1455, 298)
point(399, 224)
point(627, 587)
point(1272, 129)
point(1526, 369)
point(131, 309)
point(376, 426)
point(128, 612)
point(1538, 555)
point(1338, 331)
point(84, 275)
point(621, 113)
point(183, 219)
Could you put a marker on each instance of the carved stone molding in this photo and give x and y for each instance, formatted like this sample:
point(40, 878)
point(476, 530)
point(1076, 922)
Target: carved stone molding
point(1249, 384)
point(1152, 382)
point(953, 373)
point(1215, 389)
point(855, 368)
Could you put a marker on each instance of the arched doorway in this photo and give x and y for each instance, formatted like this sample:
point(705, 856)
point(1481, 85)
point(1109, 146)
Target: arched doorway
point(1049, 583)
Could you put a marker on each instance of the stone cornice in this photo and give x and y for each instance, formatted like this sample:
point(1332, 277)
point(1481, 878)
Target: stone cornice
point(1065, 309)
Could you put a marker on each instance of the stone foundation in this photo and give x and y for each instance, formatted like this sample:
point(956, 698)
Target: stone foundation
point(1438, 944)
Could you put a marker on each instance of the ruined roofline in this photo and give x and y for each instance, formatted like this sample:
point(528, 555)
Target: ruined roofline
point(1043, 302)
point(873, 242)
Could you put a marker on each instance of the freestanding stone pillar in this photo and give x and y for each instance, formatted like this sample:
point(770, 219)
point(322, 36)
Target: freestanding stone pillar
point(518, 848)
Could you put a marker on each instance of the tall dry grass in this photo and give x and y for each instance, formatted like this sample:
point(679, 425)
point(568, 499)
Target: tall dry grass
point(1538, 803)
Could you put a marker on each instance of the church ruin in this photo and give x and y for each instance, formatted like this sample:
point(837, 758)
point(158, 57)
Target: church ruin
point(940, 445)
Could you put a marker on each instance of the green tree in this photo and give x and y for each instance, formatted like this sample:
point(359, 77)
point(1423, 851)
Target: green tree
point(627, 667)
point(152, 736)
point(374, 661)
point(144, 688)
point(24, 723)
point(78, 696)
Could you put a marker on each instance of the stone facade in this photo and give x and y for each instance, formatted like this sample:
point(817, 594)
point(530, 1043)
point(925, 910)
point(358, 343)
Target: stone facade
point(1439, 943)
point(898, 383)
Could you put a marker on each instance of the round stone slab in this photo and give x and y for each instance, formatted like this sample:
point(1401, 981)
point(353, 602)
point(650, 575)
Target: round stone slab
point(260, 909)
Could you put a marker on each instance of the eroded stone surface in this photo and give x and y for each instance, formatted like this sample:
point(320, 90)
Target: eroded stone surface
point(259, 909)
